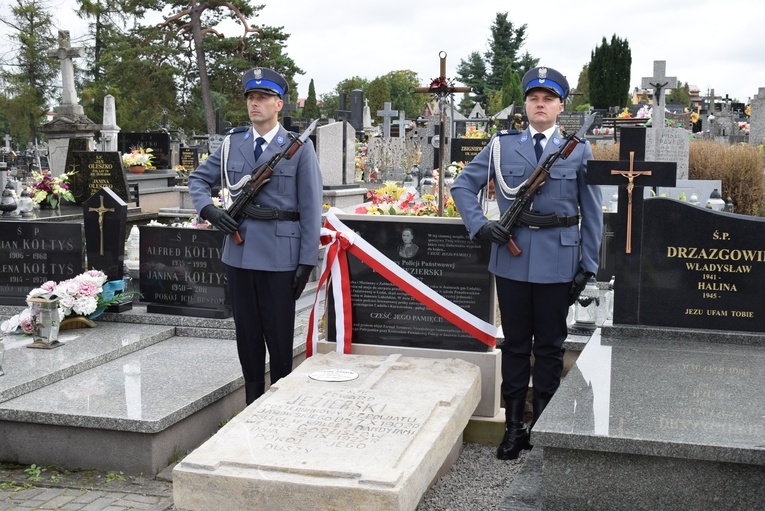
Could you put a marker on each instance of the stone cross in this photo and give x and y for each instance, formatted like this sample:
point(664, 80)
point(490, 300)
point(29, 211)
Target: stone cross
point(65, 53)
point(387, 114)
point(401, 121)
point(659, 82)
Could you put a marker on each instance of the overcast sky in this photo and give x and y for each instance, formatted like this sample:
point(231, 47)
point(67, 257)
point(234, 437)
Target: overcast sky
point(711, 44)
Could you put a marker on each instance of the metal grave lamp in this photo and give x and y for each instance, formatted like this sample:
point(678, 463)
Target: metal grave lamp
point(26, 204)
point(8, 202)
point(46, 321)
point(715, 201)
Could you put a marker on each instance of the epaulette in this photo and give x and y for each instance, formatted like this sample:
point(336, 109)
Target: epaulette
point(507, 132)
point(238, 129)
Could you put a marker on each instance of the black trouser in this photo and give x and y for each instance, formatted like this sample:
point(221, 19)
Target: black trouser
point(533, 321)
point(263, 305)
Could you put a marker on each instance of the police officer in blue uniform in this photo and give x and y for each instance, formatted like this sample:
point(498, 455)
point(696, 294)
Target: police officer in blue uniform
point(559, 242)
point(269, 270)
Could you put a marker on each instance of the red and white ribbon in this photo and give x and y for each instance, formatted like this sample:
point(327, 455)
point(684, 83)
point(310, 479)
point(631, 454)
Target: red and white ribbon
point(339, 239)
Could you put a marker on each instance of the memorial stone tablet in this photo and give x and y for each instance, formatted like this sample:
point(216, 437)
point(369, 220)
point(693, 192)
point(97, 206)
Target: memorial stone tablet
point(439, 253)
point(32, 253)
point(96, 170)
point(465, 149)
point(701, 268)
point(572, 121)
point(158, 142)
point(189, 158)
point(181, 271)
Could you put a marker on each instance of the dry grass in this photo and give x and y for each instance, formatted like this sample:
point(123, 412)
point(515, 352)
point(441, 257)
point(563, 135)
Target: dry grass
point(739, 167)
point(608, 152)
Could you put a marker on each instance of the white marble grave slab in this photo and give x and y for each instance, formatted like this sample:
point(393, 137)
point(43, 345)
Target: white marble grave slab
point(375, 442)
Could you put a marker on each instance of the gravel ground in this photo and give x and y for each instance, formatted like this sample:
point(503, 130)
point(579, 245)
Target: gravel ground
point(478, 481)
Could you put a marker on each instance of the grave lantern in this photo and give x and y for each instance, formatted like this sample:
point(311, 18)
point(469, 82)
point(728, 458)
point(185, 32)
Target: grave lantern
point(26, 204)
point(46, 321)
point(729, 205)
point(428, 184)
point(715, 201)
point(586, 306)
point(8, 202)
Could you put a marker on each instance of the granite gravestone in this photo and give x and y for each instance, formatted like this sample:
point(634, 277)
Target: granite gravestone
point(32, 253)
point(96, 170)
point(570, 122)
point(670, 145)
point(439, 253)
point(189, 158)
point(465, 149)
point(159, 143)
point(700, 268)
point(181, 271)
point(757, 119)
point(631, 173)
point(105, 218)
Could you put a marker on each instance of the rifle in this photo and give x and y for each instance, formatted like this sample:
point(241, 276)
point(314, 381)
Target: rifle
point(262, 175)
point(510, 217)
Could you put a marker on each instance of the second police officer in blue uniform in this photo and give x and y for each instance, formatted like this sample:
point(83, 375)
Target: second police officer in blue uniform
point(535, 288)
point(269, 270)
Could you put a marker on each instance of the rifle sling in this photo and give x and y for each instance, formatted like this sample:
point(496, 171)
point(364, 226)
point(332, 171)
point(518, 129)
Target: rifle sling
point(257, 212)
point(537, 221)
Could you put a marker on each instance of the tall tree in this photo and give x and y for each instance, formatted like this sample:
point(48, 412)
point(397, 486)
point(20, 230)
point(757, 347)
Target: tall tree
point(581, 94)
point(310, 108)
point(609, 73)
point(472, 72)
point(400, 84)
point(680, 95)
point(195, 21)
point(379, 93)
point(29, 83)
point(504, 50)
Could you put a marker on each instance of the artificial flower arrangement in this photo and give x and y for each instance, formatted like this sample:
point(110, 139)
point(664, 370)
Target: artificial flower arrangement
point(51, 190)
point(87, 294)
point(473, 132)
point(138, 157)
point(391, 199)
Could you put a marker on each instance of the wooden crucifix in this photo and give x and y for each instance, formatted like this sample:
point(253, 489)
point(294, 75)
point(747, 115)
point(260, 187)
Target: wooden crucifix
point(441, 88)
point(623, 174)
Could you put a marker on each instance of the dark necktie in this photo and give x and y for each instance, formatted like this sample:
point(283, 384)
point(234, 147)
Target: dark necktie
point(259, 147)
point(538, 144)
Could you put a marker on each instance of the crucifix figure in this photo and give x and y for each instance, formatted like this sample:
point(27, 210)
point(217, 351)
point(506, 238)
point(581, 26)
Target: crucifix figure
point(631, 174)
point(659, 82)
point(442, 88)
point(101, 210)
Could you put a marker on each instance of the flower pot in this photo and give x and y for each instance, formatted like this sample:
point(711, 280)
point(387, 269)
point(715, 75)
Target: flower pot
point(137, 169)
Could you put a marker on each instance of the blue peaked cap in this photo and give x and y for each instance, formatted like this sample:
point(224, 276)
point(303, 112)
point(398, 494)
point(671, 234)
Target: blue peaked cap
point(545, 78)
point(264, 80)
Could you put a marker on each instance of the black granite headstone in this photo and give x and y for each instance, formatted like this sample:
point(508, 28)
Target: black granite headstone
point(357, 109)
point(465, 149)
point(189, 158)
point(96, 170)
point(441, 256)
point(701, 268)
point(105, 217)
point(627, 228)
point(32, 253)
point(572, 121)
point(181, 271)
point(158, 142)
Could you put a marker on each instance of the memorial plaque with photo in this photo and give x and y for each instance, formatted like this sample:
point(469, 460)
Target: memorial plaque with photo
point(701, 268)
point(181, 271)
point(465, 149)
point(439, 253)
point(189, 158)
point(158, 142)
point(32, 253)
point(96, 170)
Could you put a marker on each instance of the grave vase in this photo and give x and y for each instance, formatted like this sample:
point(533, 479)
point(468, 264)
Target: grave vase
point(137, 169)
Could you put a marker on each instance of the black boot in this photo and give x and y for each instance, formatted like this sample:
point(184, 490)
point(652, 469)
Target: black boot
point(539, 405)
point(516, 436)
point(253, 390)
